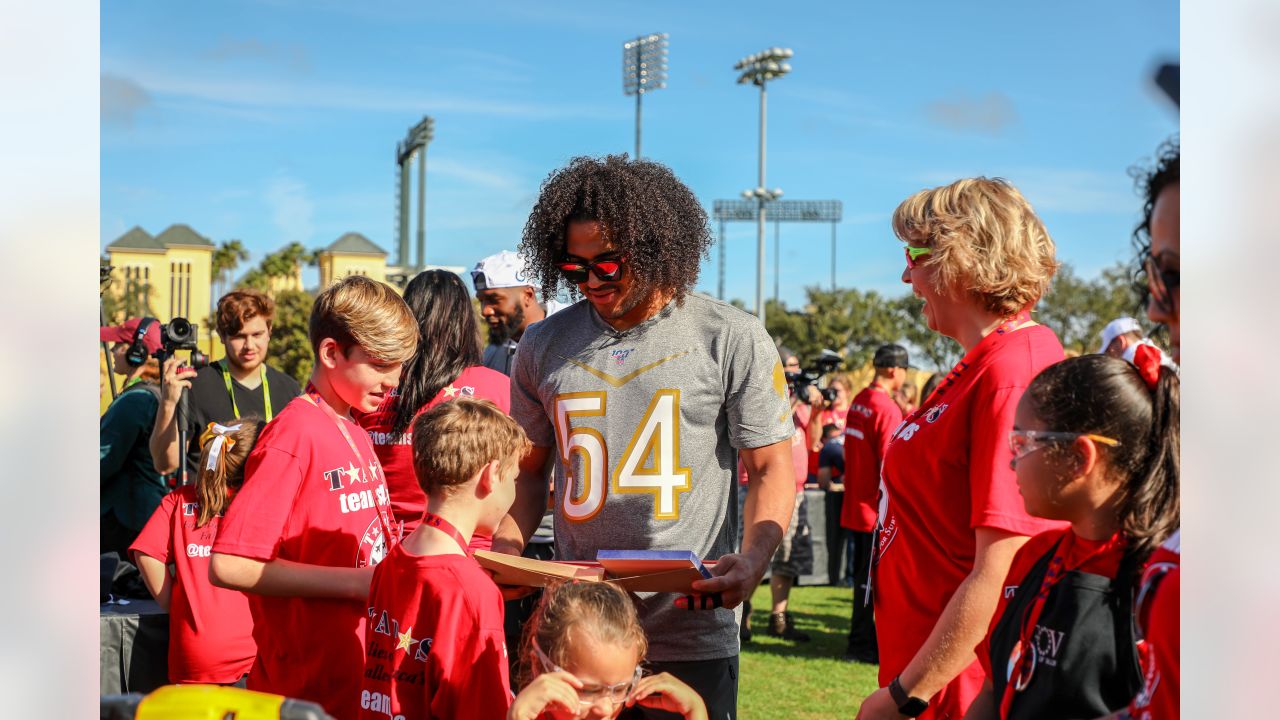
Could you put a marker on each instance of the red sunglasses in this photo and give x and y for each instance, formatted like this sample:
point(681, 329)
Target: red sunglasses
point(914, 254)
point(604, 270)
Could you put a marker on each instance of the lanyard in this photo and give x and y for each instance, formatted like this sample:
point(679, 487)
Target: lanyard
point(447, 528)
point(131, 383)
point(314, 396)
point(225, 369)
point(1022, 661)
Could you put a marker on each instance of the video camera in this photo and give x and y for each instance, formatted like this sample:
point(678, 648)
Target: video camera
point(826, 362)
point(181, 334)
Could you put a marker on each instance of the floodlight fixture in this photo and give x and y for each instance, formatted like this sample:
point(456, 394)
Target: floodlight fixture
point(644, 69)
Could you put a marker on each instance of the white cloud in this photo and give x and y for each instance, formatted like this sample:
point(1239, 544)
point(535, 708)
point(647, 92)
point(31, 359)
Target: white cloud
point(202, 85)
point(121, 99)
point(991, 114)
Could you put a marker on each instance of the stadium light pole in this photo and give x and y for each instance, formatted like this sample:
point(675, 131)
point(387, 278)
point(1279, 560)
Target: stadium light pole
point(644, 69)
point(758, 69)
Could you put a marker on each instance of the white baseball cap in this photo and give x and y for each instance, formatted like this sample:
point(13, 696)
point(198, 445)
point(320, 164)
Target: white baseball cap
point(1116, 328)
point(500, 270)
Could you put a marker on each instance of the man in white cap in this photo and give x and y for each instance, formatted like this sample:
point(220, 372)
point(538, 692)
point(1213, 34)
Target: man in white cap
point(509, 304)
point(1118, 335)
point(1122, 336)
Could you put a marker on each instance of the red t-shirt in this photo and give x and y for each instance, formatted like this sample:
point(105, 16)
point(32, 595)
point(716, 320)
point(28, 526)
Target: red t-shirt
point(1099, 557)
point(309, 499)
point(951, 456)
point(435, 646)
point(873, 416)
point(210, 629)
point(1158, 616)
point(829, 417)
point(395, 452)
point(799, 450)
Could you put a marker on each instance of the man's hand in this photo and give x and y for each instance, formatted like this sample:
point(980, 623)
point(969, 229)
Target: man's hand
point(736, 577)
point(815, 398)
point(175, 377)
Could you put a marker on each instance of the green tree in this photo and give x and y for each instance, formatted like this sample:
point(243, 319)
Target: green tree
point(124, 297)
point(1077, 309)
point(283, 263)
point(226, 257)
point(290, 344)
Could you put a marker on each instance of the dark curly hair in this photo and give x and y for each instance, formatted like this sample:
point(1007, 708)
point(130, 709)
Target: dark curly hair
point(1150, 182)
point(646, 211)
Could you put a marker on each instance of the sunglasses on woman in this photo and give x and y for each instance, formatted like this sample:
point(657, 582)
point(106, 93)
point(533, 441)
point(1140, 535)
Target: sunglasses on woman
point(575, 271)
point(1162, 283)
point(914, 254)
point(1025, 442)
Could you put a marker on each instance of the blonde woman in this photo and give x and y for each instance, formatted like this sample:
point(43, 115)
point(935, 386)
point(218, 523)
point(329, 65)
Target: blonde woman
point(950, 515)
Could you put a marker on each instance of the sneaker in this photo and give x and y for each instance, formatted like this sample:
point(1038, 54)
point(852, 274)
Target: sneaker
point(781, 625)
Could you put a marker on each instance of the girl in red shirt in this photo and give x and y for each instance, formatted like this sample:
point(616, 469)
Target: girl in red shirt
point(1095, 443)
point(445, 366)
point(581, 659)
point(210, 628)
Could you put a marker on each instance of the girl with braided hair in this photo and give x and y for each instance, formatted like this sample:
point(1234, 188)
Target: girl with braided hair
point(210, 628)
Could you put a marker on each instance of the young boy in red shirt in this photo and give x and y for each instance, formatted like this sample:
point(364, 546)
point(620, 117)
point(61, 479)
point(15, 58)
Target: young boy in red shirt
point(435, 644)
point(312, 519)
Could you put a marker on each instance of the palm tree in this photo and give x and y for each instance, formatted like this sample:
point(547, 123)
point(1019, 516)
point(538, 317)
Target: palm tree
point(225, 259)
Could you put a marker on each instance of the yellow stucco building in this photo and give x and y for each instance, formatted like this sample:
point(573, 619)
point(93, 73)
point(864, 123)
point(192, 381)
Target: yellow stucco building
point(352, 254)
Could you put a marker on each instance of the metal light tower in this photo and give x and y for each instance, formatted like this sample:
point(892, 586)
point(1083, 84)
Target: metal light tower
point(758, 69)
point(644, 69)
point(414, 143)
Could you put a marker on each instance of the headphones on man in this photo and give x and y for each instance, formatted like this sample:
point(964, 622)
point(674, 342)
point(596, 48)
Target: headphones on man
point(137, 353)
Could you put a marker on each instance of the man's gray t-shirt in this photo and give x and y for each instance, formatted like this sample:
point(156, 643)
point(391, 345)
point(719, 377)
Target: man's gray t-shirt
point(648, 420)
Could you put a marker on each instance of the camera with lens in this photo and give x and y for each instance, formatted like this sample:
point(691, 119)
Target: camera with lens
point(181, 334)
point(826, 362)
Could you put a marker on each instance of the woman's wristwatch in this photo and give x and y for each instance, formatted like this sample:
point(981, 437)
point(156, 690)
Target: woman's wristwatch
point(907, 705)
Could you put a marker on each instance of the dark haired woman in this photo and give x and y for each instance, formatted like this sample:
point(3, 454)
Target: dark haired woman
point(446, 365)
point(1062, 644)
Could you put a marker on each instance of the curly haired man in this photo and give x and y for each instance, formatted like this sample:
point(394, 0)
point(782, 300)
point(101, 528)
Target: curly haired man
point(640, 394)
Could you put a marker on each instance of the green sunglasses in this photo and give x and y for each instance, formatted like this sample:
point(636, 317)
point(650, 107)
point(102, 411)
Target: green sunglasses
point(914, 253)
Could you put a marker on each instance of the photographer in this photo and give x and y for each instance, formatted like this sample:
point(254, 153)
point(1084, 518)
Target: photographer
point(131, 488)
point(238, 385)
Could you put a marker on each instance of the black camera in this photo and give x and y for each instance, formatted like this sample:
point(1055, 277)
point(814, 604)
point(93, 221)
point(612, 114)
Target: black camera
point(181, 334)
point(826, 362)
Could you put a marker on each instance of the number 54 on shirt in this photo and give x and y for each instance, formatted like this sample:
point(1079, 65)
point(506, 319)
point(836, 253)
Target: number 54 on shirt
point(649, 464)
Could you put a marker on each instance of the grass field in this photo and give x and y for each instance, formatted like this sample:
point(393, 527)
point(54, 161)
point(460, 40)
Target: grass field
point(801, 681)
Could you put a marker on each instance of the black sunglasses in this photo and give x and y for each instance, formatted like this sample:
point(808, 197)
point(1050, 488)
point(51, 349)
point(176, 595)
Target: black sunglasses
point(605, 270)
point(1162, 283)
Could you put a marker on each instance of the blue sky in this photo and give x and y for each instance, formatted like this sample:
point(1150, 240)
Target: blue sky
point(275, 121)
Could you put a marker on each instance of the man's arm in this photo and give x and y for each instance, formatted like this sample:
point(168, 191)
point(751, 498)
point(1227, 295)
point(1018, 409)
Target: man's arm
point(771, 496)
point(165, 452)
point(530, 504)
point(285, 578)
point(962, 625)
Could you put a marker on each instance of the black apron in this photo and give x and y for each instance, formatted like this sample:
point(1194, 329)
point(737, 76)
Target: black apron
point(1086, 660)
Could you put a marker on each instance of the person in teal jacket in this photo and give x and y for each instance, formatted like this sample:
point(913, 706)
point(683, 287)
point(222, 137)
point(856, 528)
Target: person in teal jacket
point(131, 488)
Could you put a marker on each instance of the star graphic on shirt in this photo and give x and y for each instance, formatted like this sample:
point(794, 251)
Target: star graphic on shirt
point(374, 467)
point(405, 639)
point(353, 473)
point(450, 391)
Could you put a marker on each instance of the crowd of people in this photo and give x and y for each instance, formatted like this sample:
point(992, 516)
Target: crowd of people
point(1012, 529)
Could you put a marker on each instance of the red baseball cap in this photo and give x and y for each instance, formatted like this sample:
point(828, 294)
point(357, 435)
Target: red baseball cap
point(127, 332)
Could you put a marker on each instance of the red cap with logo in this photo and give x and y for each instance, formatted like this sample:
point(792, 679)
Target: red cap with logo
point(128, 332)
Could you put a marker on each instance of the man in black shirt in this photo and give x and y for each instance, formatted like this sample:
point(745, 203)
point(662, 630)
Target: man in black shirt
point(238, 385)
point(508, 304)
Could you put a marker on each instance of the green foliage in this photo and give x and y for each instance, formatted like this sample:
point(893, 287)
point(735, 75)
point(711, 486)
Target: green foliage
point(124, 298)
point(290, 346)
point(283, 263)
point(803, 681)
point(1077, 309)
point(226, 257)
point(854, 323)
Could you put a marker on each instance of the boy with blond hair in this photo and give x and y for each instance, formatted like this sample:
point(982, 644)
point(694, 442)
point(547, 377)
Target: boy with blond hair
point(313, 518)
point(435, 645)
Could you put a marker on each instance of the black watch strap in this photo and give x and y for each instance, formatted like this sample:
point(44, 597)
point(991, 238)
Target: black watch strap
point(907, 705)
